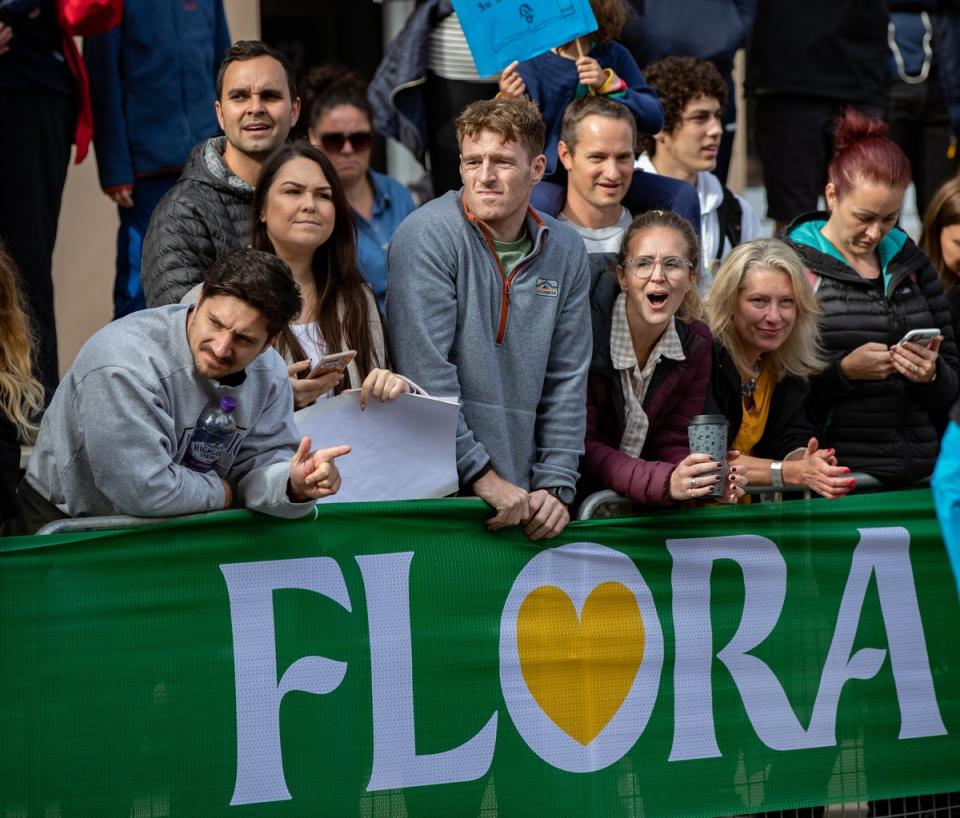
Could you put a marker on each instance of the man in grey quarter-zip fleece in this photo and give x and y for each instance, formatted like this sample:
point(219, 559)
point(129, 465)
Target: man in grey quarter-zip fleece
point(487, 300)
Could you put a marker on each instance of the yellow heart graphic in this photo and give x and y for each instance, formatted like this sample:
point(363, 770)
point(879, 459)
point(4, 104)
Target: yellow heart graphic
point(580, 670)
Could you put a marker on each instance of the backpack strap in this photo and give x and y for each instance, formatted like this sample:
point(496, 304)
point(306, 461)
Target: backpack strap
point(730, 218)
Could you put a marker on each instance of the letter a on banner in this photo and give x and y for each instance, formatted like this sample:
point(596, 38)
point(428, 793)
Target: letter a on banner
point(501, 31)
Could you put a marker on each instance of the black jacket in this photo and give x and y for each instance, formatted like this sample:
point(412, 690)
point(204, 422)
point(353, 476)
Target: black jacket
point(886, 428)
point(788, 426)
point(831, 49)
point(205, 214)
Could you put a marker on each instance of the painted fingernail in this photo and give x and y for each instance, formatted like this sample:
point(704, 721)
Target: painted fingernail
point(852, 483)
point(718, 465)
point(846, 470)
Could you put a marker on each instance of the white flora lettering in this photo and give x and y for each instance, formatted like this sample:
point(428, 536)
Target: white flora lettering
point(250, 586)
point(764, 590)
point(396, 763)
point(885, 553)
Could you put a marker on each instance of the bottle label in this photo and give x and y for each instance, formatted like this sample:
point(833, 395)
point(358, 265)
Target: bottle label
point(204, 452)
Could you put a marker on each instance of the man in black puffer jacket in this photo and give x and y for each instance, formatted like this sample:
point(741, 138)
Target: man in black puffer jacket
point(207, 212)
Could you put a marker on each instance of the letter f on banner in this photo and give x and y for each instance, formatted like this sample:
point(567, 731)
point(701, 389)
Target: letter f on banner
point(251, 586)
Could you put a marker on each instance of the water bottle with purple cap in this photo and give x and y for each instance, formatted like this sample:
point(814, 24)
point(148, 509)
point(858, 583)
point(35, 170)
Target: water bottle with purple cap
point(213, 434)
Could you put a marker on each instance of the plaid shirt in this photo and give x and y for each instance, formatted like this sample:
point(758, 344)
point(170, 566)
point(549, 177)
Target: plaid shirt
point(633, 380)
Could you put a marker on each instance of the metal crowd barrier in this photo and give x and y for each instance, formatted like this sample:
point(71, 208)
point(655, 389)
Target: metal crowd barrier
point(603, 504)
point(72, 525)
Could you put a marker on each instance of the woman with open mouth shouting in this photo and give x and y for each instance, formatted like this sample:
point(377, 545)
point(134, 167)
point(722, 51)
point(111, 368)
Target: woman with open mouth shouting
point(650, 369)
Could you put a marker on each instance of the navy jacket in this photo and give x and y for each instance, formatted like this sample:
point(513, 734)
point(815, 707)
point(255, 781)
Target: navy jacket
point(945, 18)
point(707, 29)
point(152, 80)
point(396, 90)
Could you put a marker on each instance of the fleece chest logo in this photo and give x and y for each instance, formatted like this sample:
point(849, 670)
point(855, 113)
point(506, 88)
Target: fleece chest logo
point(548, 287)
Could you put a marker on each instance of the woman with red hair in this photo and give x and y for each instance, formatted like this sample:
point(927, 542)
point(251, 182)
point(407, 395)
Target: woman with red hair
point(878, 400)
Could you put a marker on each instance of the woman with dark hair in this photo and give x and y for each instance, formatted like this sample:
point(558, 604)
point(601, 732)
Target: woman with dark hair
point(650, 370)
point(881, 394)
point(301, 214)
point(940, 240)
point(340, 125)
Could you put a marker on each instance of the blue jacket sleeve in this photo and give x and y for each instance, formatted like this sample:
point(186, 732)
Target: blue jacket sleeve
point(104, 58)
point(222, 39)
point(638, 96)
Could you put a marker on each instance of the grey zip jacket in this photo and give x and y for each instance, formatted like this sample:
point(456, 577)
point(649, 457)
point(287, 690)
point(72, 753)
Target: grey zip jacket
point(515, 351)
point(119, 425)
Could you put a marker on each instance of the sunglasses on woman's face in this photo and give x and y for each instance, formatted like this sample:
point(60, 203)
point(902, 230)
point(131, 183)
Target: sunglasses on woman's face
point(334, 142)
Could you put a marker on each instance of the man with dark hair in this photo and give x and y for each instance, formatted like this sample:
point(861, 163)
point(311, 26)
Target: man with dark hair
point(597, 150)
point(207, 212)
point(694, 98)
point(125, 422)
point(487, 300)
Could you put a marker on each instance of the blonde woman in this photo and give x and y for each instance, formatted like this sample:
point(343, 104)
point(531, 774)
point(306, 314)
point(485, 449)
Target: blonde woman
point(21, 395)
point(763, 315)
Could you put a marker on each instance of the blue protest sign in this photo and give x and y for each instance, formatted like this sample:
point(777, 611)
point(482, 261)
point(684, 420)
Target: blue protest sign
point(501, 31)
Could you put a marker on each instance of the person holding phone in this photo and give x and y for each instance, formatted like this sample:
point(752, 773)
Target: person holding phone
point(301, 214)
point(881, 397)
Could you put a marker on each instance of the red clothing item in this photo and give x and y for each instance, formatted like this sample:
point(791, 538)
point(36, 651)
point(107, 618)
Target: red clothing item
point(677, 392)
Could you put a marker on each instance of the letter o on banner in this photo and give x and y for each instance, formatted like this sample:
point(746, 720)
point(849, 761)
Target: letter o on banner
point(581, 650)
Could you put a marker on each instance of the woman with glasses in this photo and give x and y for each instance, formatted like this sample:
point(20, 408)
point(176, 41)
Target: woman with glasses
point(883, 396)
point(301, 214)
point(340, 125)
point(763, 315)
point(649, 372)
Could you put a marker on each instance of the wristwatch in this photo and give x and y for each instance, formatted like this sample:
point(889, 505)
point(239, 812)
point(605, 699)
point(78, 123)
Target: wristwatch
point(776, 474)
point(563, 493)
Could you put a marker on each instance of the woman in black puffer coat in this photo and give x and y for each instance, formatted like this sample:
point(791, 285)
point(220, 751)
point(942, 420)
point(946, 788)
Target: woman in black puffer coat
point(879, 400)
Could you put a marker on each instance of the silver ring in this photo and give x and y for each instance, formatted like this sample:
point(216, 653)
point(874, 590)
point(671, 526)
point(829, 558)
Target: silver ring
point(693, 482)
point(916, 369)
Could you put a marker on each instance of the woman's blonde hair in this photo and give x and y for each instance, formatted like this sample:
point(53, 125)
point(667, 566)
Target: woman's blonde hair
point(799, 354)
point(21, 395)
point(691, 308)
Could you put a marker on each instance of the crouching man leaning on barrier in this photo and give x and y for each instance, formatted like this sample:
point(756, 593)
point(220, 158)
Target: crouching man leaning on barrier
point(129, 430)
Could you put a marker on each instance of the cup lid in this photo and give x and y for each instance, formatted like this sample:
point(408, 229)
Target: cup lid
point(709, 420)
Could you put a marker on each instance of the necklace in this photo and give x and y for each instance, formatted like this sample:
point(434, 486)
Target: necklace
point(749, 389)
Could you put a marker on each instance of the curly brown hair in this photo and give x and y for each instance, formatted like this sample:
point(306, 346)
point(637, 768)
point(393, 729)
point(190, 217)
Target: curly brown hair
point(677, 80)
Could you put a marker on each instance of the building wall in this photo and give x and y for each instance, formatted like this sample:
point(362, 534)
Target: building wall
point(84, 256)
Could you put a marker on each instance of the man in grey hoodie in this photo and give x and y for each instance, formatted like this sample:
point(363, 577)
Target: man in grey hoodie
point(207, 212)
point(487, 300)
point(116, 434)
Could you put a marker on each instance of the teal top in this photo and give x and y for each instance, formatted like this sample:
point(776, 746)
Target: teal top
point(810, 233)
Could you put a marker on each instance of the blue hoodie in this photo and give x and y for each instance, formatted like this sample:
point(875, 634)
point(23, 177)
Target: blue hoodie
point(153, 86)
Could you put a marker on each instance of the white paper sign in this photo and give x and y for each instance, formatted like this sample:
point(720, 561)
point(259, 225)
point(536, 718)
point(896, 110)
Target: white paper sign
point(402, 450)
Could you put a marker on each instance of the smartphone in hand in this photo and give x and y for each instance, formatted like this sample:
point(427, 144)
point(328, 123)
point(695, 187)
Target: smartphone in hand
point(336, 362)
point(924, 337)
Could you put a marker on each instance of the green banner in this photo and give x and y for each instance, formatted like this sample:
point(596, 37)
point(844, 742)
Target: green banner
point(390, 660)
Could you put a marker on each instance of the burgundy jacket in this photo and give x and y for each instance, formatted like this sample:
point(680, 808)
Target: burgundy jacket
point(676, 393)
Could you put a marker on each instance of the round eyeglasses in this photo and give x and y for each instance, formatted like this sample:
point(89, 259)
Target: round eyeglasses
point(672, 267)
